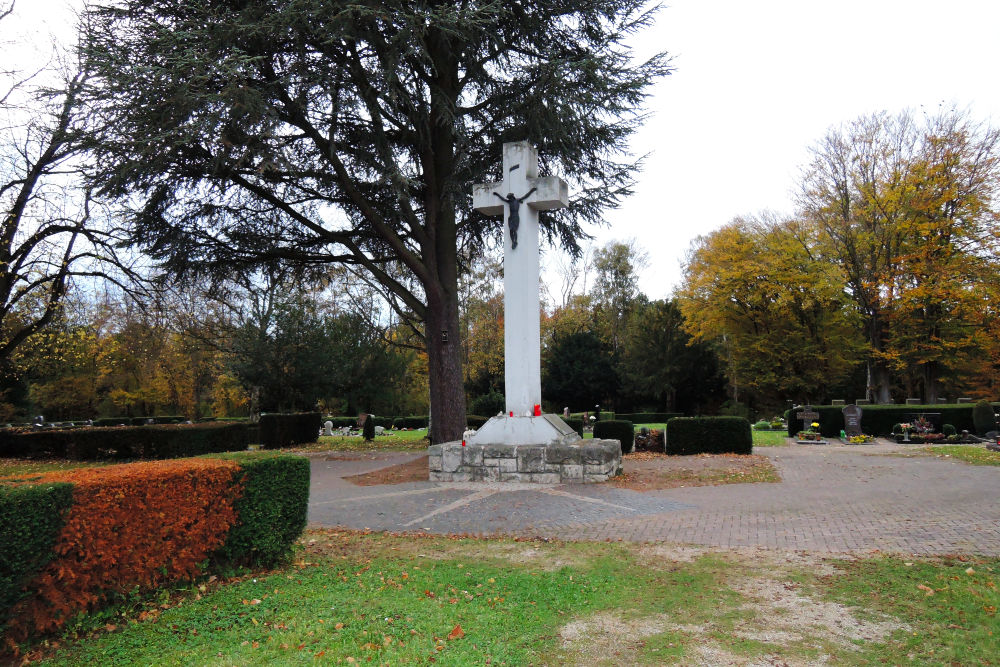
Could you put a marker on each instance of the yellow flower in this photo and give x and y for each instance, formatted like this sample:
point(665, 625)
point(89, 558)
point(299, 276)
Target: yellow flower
point(815, 424)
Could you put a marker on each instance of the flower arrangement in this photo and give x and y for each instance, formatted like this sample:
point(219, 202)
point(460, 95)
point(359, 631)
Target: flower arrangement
point(922, 425)
point(860, 439)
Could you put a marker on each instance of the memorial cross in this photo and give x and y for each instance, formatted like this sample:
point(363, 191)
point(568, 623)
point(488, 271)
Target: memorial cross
point(519, 198)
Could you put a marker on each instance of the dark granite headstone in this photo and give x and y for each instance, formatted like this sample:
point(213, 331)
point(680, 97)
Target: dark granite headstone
point(808, 416)
point(852, 420)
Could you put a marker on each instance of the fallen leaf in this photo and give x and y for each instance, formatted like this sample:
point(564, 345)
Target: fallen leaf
point(338, 626)
point(452, 600)
point(456, 633)
point(970, 571)
point(928, 591)
point(321, 654)
point(430, 594)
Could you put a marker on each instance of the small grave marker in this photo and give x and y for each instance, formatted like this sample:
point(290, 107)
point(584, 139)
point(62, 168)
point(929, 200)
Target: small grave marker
point(852, 420)
point(807, 415)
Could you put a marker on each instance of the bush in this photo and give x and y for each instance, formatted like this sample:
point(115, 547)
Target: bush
point(287, 429)
point(341, 422)
point(575, 423)
point(488, 404)
point(647, 417)
point(271, 512)
point(475, 421)
point(615, 429)
point(411, 422)
point(762, 425)
point(142, 442)
point(948, 429)
point(983, 419)
point(709, 435)
point(140, 525)
point(30, 520)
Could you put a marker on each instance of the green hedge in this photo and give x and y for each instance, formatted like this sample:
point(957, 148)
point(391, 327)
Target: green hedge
point(475, 421)
point(288, 429)
point(878, 419)
point(708, 435)
point(575, 423)
point(616, 429)
point(271, 512)
point(30, 520)
point(648, 417)
point(138, 442)
point(410, 422)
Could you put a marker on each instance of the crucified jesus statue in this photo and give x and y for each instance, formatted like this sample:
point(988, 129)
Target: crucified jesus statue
point(514, 219)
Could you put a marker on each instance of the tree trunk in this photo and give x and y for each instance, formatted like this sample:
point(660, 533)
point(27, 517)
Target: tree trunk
point(444, 363)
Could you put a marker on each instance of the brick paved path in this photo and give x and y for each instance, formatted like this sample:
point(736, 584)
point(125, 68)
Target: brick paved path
point(831, 499)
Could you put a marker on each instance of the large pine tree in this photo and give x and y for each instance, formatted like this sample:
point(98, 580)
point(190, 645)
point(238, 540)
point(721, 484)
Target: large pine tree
point(330, 132)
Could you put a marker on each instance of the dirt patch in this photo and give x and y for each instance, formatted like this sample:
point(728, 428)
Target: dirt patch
point(782, 615)
point(608, 639)
point(650, 471)
point(411, 471)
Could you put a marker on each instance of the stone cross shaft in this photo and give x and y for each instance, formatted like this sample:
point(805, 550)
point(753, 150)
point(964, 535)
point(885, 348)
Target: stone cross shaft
point(519, 198)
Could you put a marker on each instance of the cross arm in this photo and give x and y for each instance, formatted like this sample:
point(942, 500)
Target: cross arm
point(484, 201)
point(551, 192)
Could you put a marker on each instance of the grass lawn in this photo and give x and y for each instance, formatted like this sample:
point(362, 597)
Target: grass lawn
point(973, 454)
point(393, 440)
point(770, 438)
point(353, 598)
point(11, 467)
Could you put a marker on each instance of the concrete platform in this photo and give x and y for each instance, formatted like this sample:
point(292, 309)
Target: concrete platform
point(562, 462)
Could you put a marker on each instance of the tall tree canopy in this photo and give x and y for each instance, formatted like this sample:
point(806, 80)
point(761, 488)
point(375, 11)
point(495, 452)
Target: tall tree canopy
point(321, 131)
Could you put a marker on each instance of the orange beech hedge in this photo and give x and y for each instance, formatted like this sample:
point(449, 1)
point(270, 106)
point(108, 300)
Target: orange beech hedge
point(134, 525)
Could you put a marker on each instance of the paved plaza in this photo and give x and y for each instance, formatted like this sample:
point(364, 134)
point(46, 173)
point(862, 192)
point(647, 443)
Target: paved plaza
point(833, 498)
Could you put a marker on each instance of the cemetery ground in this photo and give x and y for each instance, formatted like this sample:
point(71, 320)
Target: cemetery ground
point(355, 597)
point(826, 572)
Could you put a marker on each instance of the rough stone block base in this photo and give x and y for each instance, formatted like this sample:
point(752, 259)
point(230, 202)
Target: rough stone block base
point(582, 461)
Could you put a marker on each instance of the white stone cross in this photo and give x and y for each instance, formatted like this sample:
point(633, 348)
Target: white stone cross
point(524, 194)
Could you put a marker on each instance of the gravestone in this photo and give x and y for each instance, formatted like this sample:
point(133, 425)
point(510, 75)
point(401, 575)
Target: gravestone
point(523, 445)
point(862, 401)
point(807, 415)
point(965, 399)
point(913, 401)
point(852, 420)
point(838, 401)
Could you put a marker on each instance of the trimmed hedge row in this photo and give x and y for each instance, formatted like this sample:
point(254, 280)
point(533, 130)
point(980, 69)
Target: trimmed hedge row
point(287, 429)
point(575, 423)
point(139, 421)
point(616, 429)
point(138, 525)
point(879, 419)
point(648, 417)
point(30, 520)
point(140, 442)
point(709, 435)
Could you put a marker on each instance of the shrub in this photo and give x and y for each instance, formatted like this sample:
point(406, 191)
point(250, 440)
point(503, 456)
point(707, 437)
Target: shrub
point(368, 429)
point(271, 512)
point(411, 422)
point(575, 423)
point(287, 429)
point(139, 525)
point(948, 429)
point(488, 404)
point(982, 418)
point(762, 425)
point(615, 429)
point(709, 435)
point(647, 417)
point(150, 442)
point(30, 520)
point(475, 421)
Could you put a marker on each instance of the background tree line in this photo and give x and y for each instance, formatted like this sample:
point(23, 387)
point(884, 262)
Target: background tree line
point(882, 285)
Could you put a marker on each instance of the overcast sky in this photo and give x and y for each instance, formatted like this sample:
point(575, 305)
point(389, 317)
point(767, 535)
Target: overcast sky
point(756, 83)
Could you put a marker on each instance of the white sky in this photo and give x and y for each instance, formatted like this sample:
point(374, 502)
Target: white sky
point(756, 83)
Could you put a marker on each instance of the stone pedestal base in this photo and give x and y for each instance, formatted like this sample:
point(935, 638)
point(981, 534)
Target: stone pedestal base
point(581, 461)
